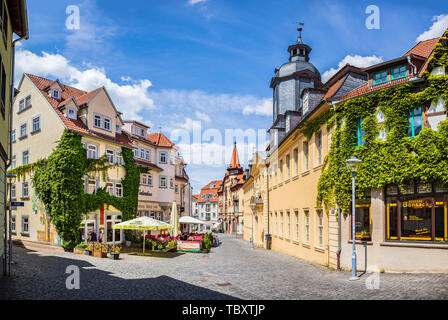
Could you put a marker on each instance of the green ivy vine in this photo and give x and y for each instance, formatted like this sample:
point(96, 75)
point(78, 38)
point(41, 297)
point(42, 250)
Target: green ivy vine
point(59, 183)
point(398, 159)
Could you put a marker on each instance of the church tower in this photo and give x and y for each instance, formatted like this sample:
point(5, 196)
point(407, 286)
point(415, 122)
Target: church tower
point(288, 84)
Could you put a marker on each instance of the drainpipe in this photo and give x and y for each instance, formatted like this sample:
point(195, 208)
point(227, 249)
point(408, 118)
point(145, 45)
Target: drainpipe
point(338, 253)
point(414, 68)
point(8, 163)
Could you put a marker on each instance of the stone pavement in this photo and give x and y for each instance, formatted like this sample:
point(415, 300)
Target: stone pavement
point(231, 271)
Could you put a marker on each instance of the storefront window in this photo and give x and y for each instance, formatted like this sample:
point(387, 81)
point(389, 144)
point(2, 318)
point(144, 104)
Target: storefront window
point(362, 222)
point(417, 213)
point(416, 219)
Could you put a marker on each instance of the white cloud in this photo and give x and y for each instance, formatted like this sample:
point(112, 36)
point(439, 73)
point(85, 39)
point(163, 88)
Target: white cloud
point(354, 60)
point(203, 116)
point(436, 30)
point(263, 109)
point(129, 98)
point(193, 2)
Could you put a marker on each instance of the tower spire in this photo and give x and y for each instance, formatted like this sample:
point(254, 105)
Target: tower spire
point(235, 161)
point(299, 39)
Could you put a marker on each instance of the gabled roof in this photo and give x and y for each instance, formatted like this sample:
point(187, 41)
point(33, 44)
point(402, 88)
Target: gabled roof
point(73, 125)
point(159, 139)
point(423, 49)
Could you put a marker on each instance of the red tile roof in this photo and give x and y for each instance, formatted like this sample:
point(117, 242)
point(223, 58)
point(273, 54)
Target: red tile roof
point(159, 139)
point(208, 189)
point(423, 48)
point(75, 125)
point(234, 161)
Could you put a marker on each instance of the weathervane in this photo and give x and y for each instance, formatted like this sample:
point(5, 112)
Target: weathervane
point(299, 39)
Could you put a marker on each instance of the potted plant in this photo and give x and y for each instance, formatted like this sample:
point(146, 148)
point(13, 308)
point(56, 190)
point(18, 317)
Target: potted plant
point(80, 248)
point(153, 245)
point(207, 242)
point(100, 250)
point(171, 246)
point(89, 250)
point(115, 252)
point(160, 247)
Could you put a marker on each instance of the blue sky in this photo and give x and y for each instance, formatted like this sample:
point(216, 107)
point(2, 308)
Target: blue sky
point(173, 63)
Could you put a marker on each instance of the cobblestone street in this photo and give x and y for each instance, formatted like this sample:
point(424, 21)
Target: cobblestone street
point(231, 271)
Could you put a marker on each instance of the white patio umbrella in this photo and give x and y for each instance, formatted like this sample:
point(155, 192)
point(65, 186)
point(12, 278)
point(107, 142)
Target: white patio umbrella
point(143, 223)
point(174, 220)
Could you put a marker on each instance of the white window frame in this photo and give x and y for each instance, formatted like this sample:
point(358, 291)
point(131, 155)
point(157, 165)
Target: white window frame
point(26, 130)
point(296, 217)
point(14, 161)
point(23, 217)
point(32, 124)
point(306, 156)
point(95, 115)
point(28, 158)
point(320, 228)
point(13, 190)
point(319, 155)
point(91, 151)
point(110, 157)
point(165, 185)
point(55, 94)
point(109, 121)
point(166, 157)
point(27, 194)
point(118, 190)
point(13, 224)
point(288, 216)
point(307, 222)
point(74, 116)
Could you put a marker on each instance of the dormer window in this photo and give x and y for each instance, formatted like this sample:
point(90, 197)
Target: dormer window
point(55, 94)
point(71, 113)
point(380, 77)
point(118, 128)
point(107, 124)
point(399, 72)
point(97, 121)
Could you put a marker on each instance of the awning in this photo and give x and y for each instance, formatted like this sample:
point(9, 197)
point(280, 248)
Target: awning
point(143, 223)
point(191, 220)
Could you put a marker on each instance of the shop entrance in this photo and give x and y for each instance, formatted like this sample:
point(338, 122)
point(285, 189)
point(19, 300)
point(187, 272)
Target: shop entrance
point(113, 235)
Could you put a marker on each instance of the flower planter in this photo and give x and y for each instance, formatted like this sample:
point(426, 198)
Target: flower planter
point(99, 254)
point(78, 251)
point(115, 256)
point(168, 249)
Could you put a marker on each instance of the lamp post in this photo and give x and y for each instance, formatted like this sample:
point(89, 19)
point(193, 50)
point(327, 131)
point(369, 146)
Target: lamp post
point(352, 165)
point(11, 179)
point(252, 205)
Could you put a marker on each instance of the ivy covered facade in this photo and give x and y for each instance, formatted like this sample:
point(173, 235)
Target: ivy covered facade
point(396, 124)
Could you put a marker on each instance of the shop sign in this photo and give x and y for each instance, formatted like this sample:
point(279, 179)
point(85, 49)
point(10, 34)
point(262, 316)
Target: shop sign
point(417, 204)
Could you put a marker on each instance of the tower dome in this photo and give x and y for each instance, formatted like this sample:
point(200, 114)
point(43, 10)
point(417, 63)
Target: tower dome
point(293, 77)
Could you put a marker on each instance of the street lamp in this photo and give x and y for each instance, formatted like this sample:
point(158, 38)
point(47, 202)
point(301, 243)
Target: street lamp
point(252, 205)
point(11, 179)
point(352, 165)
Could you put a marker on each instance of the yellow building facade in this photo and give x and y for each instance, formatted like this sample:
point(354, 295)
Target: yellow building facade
point(13, 20)
point(43, 109)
